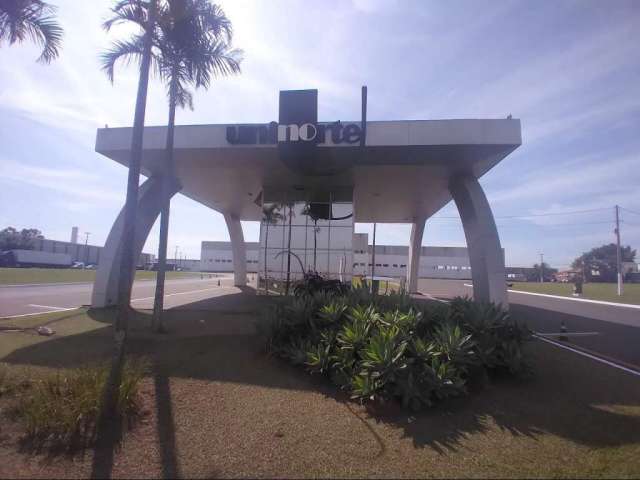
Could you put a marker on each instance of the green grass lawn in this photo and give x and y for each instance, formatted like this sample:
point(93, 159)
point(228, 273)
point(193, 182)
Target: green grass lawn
point(385, 285)
point(18, 276)
point(594, 291)
point(218, 406)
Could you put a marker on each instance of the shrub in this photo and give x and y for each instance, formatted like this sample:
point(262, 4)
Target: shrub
point(61, 411)
point(313, 282)
point(5, 383)
point(391, 347)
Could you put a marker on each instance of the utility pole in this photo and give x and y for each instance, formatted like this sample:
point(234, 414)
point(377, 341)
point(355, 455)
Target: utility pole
point(618, 253)
point(373, 256)
point(542, 268)
point(175, 258)
point(86, 248)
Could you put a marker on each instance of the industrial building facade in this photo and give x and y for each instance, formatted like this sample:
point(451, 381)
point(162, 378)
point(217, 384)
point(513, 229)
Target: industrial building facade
point(390, 260)
point(79, 252)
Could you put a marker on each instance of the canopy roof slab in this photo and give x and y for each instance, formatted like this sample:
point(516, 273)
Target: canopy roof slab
point(403, 170)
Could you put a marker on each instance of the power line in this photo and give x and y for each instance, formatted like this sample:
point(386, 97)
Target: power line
point(607, 222)
point(574, 212)
point(629, 211)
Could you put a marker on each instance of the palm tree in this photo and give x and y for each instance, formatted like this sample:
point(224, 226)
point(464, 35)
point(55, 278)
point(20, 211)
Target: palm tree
point(313, 213)
point(140, 13)
point(270, 216)
point(190, 44)
point(194, 45)
point(33, 19)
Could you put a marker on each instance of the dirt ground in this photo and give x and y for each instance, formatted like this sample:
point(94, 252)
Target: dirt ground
point(216, 406)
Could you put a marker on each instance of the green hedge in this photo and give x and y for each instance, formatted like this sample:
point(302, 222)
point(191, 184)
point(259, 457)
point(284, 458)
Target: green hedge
point(393, 347)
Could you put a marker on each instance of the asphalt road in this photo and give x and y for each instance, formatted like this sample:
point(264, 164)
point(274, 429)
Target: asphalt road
point(612, 331)
point(31, 299)
point(608, 330)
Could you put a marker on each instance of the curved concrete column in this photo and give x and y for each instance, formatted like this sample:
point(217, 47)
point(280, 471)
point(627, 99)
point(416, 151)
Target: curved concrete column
point(415, 246)
point(105, 287)
point(238, 249)
point(483, 243)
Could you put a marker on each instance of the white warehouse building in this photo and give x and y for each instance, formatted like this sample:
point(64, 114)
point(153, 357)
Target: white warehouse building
point(390, 260)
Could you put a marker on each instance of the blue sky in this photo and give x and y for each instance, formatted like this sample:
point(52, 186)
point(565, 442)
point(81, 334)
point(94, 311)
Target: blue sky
point(570, 70)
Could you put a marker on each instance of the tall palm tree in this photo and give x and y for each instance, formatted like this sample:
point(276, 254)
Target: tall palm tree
point(33, 19)
point(270, 216)
point(143, 14)
point(140, 13)
point(191, 44)
point(194, 45)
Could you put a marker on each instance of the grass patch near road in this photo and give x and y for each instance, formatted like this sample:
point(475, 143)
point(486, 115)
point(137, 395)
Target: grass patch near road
point(220, 407)
point(21, 276)
point(593, 291)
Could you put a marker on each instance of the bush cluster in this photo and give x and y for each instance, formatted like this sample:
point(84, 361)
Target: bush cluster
point(61, 411)
point(393, 347)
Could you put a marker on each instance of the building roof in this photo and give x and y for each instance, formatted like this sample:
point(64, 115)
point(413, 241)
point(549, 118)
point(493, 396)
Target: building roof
point(402, 172)
point(226, 245)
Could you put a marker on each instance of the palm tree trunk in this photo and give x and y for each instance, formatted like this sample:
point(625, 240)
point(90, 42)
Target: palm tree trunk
point(125, 279)
point(127, 264)
point(158, 303)
point(286, 290)
point(266, 242)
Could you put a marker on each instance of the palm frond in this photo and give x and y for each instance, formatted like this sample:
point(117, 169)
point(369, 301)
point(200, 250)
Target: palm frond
point(125, 11)
point(217, 59)
point(33, 19)
point(47, 32)
point(121, 50)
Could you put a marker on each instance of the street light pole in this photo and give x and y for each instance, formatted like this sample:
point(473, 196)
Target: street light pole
point(86, 248)
point(373, 257)
point(542, 268)
point(618, 253)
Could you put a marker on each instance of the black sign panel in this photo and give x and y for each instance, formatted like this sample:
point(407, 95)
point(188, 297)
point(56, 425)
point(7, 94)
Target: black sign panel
point(299, 112)
point(298, 106)
point(298, 124)
point(297, 132)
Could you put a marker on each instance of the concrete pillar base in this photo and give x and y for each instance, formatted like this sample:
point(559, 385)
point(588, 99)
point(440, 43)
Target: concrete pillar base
point(105, 287)
point(483, 242)
point(238, 249)
point(415, 246)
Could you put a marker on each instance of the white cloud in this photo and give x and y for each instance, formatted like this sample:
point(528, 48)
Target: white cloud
point(78, 184)
point(582, 176)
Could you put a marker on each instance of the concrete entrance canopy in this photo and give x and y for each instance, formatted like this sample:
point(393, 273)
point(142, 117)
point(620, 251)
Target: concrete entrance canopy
point(390, 172)
point(403, 173)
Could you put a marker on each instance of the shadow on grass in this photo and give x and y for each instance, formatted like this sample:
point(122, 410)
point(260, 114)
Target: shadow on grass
point(215, 340)
point(166, 424)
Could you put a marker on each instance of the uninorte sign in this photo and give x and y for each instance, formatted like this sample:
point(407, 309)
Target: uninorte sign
point(313, 133)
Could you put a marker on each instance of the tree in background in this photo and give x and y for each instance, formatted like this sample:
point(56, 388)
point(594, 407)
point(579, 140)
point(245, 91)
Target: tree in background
point(311, 210)
point(33, 19)
point(270, 216)
point(533, 275)
point(12, 239)
point(600, 264)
